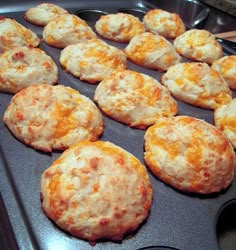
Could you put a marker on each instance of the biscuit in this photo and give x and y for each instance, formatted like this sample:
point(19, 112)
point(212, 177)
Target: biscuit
point(198, 45)
point(163, 23)
point(226, 66)
point(48, 117)
point(13, 34)
point(43, 13)
point(189, 154)
point(119, 27)
point(21, 67)
point(197, 84)
point(96, 190)
point(65, 30)
point(92, 60)
point(225, 120)
point(152, 51)
point(134, 99)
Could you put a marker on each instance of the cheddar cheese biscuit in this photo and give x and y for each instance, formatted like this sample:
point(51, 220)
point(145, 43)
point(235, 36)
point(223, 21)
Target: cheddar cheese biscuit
point(152, 51)
point(21, 67)
point(13, 34)
point(225, 120)
point(96, 190)
point(65, 30)
point(134, 99)
point(163, 23)
point(189, 154)
point(92, 60)
point(119, 27)
point(49, 117)
point(197, 84)
point(198, 45)
point(226, 66)
point(43, 13)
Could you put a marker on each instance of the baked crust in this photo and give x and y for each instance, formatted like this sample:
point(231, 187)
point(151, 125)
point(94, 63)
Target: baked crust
point(96, 190)
point(22, 67)
point(164, 23)
point(197, 84)
point(198, 45)
point(189, 154)
point(92, 60)
point(119, 27)
point(43, 13)
point(13, 34)
point(152, 51)
point(50, 118)
point(65, 30)
point(135, 99)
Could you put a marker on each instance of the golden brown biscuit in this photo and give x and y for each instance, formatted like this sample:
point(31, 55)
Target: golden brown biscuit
point(119, 27)
point(163, 23)
point(65, 30)
point(92, 60)
point(189, 154)
point(226, 66)
point(43, 13)
point(96, 190)
point(198, 45)
point(49, 117)
point(197, 84)
point(21, 67)
point(225, 120)
point(152, 51)
point(133, 98)
point(13, 34)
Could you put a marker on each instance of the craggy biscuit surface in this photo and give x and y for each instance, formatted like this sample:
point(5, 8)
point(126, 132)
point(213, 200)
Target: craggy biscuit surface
point(163, 23)
point(21, 67)
point(96, 190)
point(65, 30)
point(225, 120)
point(43, 13)
point(152, 51)
point(198, 45)
point(226, 66)
point(48, 117)
point(120, 27)
point(135, 99)
point(92, 60)
point(13, 34)
point(197, 84)
point(189, 154)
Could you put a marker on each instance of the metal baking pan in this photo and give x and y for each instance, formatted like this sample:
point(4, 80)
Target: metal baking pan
point(177, 220)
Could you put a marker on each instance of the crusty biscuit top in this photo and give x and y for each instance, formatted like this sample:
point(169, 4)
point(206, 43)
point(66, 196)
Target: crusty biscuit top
point(197, 84)
point(189, 154)
point(225, 120)
point(96, 190)
point(50, 117)
point(226, 66)
point(120, 27)
point(164, 23)
point(198, 45)
point(21, 67)
point(152, 51)
point(13, 34)
point(92, 60)
point(43, 13)
point(65, 30)
point(135, 99)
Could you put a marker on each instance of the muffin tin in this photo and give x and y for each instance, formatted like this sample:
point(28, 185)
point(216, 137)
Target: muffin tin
point(177, 220)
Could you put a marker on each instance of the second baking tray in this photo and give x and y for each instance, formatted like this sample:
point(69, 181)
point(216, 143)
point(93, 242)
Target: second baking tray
point(177, 220)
